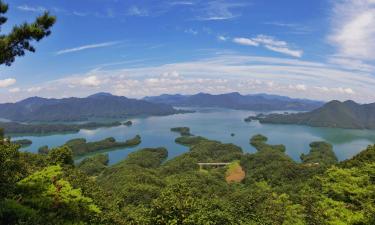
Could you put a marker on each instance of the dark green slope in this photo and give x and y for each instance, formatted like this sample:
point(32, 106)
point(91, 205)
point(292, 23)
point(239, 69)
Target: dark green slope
point(338, 114)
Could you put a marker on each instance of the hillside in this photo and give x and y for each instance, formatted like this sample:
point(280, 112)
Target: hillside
point(338, 114)
point(102, 105)
point(237, 101)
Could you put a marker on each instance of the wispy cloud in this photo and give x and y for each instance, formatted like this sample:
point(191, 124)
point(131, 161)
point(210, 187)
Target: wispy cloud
point(137, 11)
point(220, 10)
point(245, 41)
point(269, 43)
point(28, 8)
point(85, 47)
point(191, 31)
point(292, 28)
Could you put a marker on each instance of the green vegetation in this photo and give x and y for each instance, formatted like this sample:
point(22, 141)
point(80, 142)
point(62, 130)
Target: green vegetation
point(19, 39)
point(346, 114)
point(80, 146)
point(43, 129)
point(259, 142)
point(94, 165)
point(146, 188)
point(183, 131)
point(23, 142)
point(320, 153)
point(189, 140)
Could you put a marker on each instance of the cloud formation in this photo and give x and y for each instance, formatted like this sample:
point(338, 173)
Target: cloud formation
point(85, 47)
point(7, 82)
point(225, 73)
point(269, 43)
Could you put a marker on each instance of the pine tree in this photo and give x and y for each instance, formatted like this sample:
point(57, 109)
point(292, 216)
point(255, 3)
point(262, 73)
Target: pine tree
point(18, 41)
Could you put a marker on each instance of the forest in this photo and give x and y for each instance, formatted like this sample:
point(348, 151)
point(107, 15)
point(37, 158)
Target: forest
point(148, 188)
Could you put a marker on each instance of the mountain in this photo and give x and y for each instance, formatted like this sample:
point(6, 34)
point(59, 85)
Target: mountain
point(348, 114)
point(237, 101)
point(103, 105)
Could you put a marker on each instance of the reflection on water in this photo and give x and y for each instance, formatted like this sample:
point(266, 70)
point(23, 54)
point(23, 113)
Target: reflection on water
point(217, 124)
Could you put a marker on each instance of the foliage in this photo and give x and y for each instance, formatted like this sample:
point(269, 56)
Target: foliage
point(94, 165)
point(321, 153)
point(183, 131)
point(19, 39)
point(54, 198)
point(21, 128)
point(259, 142)
point(61, 156)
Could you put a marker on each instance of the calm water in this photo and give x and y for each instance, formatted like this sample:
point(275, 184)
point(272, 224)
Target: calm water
point(216, 124)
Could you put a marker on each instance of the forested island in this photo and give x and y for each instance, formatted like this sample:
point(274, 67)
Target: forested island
point(80, 146)
point(146, 188)
point(334, 114)
point(48, 128)
point(183, 131)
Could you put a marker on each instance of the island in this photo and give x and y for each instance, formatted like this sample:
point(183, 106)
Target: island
point(80, 146)
point(183, 131)
point(23, 142)
point(50, 128)
point(128, 123)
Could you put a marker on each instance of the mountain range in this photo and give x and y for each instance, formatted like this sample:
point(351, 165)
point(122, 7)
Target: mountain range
point(237, 101)
point(348, 114)
point(100, 105)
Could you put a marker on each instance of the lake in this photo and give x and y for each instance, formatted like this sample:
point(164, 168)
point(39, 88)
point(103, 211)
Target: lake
point(216, 124)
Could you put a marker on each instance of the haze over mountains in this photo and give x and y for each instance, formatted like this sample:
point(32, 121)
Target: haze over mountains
point(348, 114)
point(102, 105)
point(237, 101)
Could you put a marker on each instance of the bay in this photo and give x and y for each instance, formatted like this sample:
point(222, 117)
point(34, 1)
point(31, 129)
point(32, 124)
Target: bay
point(216, 124)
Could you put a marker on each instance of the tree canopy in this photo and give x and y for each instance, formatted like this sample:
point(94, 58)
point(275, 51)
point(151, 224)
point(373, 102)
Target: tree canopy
point(18, 41)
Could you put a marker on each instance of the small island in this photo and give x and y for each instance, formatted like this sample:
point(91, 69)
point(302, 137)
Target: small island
point(183, 131)
point(80, 146)
point(23, 142)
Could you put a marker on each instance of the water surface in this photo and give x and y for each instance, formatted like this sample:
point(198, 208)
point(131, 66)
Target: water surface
point(216, 124)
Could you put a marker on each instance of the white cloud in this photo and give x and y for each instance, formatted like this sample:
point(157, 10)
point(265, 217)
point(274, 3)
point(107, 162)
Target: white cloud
point(284, 50)
point(85, 47)
point(222, 38)
point(34, 89)
point(136, 11)
point(31, 8)
point(14, 90)
point(353, 29)
point(191, 31)
point(269, 43)
point(7, 82)
point(91, 81)
point(245, 41)
point(299, 87)
point(225, 73)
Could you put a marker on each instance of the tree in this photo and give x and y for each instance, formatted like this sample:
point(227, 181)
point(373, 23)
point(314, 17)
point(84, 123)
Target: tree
point(61, 156)
point(18, 40)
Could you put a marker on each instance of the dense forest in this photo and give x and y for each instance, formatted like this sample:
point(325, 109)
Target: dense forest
point(146, 188)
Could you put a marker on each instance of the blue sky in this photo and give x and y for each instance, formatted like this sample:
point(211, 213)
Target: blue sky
point(307, 49)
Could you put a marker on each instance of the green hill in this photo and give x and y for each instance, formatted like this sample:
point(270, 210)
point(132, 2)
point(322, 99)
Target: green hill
point(338, 114)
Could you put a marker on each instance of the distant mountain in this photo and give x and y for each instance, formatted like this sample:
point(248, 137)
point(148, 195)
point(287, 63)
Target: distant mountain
point(346, 114)
point(101, 105)
point(237, 101)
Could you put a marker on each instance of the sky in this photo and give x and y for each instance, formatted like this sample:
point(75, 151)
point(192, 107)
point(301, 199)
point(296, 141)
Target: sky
point(321, 49)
